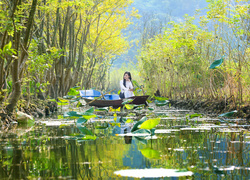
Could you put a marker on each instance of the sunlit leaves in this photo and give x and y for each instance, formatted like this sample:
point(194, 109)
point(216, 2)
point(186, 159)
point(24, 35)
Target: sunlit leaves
point(150, 124)
point(129, 106)
point(135, 127)
point(73, 92)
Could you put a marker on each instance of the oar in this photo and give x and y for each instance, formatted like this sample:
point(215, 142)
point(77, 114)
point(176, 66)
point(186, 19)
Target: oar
point(100, 96)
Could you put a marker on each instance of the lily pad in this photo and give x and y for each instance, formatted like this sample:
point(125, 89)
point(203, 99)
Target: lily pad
point(161, 103)
point(150, 124)
point(129, 106)
point(135, 127)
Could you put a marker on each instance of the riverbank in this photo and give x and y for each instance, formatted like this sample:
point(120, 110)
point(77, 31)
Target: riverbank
point(213, 107)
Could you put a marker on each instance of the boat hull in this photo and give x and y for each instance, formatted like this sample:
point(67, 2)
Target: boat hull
point(116, 103)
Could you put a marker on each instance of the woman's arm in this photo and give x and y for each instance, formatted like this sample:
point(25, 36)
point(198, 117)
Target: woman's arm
point(123, 88)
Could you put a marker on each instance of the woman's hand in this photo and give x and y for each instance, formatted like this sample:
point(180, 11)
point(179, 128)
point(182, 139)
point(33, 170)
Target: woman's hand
point(131, 89)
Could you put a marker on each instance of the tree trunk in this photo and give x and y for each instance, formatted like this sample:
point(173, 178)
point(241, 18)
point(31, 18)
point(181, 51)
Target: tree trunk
point(19, 64)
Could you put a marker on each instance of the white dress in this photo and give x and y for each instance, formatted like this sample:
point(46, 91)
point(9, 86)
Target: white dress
point(125, 90)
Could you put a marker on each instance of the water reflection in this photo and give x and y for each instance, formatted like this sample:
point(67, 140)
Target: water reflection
point(46, 152)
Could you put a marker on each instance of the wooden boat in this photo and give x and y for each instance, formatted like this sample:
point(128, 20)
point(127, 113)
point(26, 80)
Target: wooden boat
point(137, 100)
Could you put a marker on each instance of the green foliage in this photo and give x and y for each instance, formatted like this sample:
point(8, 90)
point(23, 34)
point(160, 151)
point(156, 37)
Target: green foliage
point(216, 63)
point(73, 92)
point(150, 153)
point(150, 124)
point(161, 103)
point(135, 127)
point(228, 114)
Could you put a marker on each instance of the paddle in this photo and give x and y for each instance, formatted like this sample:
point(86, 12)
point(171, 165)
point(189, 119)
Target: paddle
point(100, 96)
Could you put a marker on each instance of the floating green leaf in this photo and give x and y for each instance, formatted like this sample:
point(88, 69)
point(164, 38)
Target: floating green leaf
point(135, 127)
point(150, 108)
point(160, 98)
point(228, 114)
point(72, 115)
point(150, 153)
point(126, 101)
point(149, 124)
point(88, 115)
point(129, 121)
point(81, 120)
point(129, 106)
point(161, 103)
point(216, 63)
point(90, 110)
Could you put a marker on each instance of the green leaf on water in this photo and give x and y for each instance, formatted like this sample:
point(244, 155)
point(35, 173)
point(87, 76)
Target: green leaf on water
point(126, 101)
point(129, 121)
point(161, 103)
point(72, 115)
point(150, 124)
point(228, 114)
point(129, 106)
point(135, 127)
point(150, 108)
point(81, 120)
point(160, 98)
point(90, 110)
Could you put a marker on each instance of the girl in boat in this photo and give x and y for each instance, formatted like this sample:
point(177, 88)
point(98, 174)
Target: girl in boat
point(126, 86)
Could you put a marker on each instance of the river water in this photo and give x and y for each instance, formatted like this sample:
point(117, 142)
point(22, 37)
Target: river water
point(181, 148)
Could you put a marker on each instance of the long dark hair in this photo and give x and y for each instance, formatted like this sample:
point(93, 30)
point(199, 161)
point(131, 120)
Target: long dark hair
point(124, 81)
